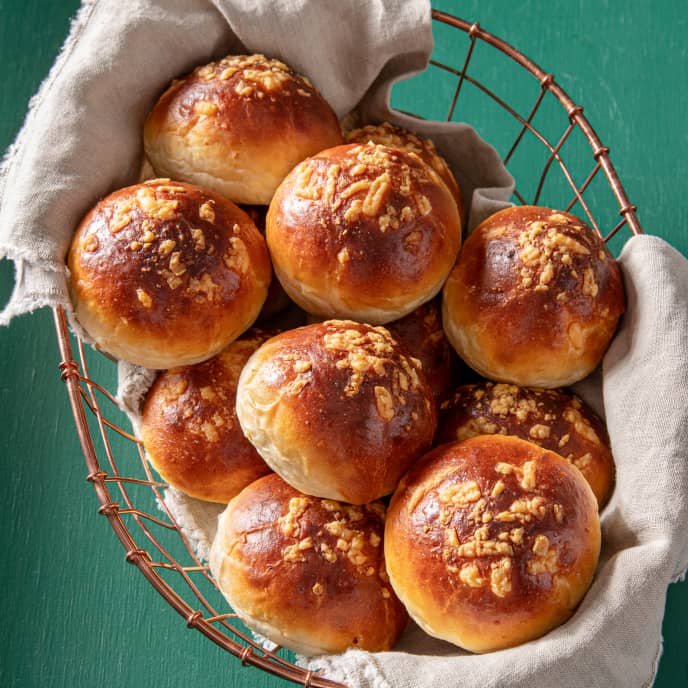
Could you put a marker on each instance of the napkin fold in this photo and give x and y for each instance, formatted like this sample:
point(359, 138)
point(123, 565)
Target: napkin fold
point(82, 139)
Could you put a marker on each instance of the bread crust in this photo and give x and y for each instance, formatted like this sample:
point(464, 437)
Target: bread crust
point(534, 298)
point(164, 273)
point(363, 232)
point(554, 419)
point(190, 430)
point(395, 137)
point(305, 572)
point(421, 333)
point(338, 409)
point(491, 542)
point(238, 126)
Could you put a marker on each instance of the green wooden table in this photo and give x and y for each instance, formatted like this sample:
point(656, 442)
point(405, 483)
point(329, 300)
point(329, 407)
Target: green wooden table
point(74, 613)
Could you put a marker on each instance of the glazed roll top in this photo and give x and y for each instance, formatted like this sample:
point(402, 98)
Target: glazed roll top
point(190, 430)
point(491, 542)
point(363, 232)
point(534, 298)
point(164, 274)
point(338, 409)
point(238, 126)
point(305, 572)
point(395, 137)
point(553, 419)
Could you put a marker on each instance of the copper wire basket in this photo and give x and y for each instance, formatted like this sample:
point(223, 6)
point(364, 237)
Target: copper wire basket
point(544, 139)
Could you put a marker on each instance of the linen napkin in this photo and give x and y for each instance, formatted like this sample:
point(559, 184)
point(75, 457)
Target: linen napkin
point(82, 139)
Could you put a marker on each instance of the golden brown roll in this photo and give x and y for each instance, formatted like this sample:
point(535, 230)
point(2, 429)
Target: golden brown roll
point(395, 137)
point(338, 409)
point(534, 298)
point(307, 573)
point(190, 430)
point(165, 274)
point(363, 232)
point(421, 333)
point(491, 542)
point(551, 418)
point(237, 126)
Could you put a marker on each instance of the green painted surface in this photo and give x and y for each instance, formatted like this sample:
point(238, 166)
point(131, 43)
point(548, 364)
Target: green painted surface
point(74, 613)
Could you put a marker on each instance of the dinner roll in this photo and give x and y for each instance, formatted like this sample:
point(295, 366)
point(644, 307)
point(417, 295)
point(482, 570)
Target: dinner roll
point(306, 573)
point(551, 418)
point(338, 409)
point(190, 430)
point(396, 137)
point(237, 127)
point(491, 542)
point(363, 232)
point(421, 333)
point(534, 298)
point(165, 274)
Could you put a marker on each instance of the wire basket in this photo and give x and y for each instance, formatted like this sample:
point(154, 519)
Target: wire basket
point(556, 158)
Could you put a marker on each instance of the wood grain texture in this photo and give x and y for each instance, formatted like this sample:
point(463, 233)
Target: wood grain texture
point(75, 613)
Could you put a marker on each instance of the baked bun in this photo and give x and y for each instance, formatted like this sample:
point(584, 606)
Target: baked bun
point(491, 542)
point(553, 419)
point(237, 127)
point(165, 274)
point(190, 430)
point(534, 298)
point(363, 232)
point(396, 137)
point(307, 573)
point(421, 333)
point(338, 409)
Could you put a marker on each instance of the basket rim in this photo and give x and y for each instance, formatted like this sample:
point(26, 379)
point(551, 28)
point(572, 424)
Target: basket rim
point(573, 111)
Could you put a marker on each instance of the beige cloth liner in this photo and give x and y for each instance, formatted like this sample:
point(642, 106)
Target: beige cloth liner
point(82, 139)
